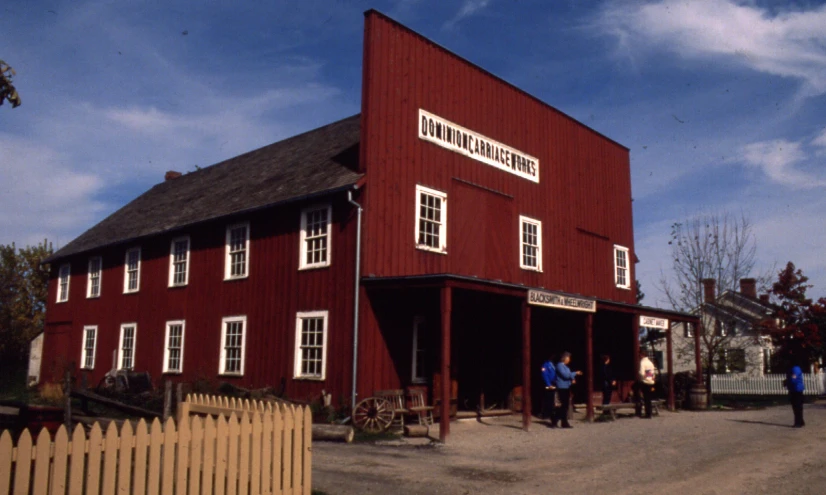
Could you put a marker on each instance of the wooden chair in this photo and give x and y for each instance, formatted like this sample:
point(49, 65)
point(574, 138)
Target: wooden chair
point(419, 408)
point(396, 398)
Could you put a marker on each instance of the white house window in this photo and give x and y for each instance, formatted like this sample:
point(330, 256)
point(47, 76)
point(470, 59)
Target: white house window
point(126, 347)
point(173, 354)
point(233, 336)
point(315, 237)
point(419, 373)
point(431, 219)
point(238, 243)
point(63, 283)
point(311, 345)
point(179, 262)
point(93, 284)
point(531, 242)
point(132, 267)
point(621, 277)
point(87, 353)
point(688, 331)
point(767, 360)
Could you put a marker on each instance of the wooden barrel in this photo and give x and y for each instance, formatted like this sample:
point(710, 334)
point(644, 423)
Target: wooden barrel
point(698, 398)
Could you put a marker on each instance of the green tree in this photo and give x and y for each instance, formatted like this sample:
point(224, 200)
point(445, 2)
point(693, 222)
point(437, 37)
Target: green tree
point(23, 290)
point(7, 90)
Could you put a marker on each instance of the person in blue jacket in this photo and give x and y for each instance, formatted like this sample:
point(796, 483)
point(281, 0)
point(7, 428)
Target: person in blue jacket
point(794, 382)
point(549, 393)
point(564, 379)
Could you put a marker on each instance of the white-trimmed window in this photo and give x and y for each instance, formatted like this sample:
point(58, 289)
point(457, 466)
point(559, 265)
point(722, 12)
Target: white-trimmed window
point(621, 272)
point(530, 240)
point(87, 352)
point(173, 352)
point(233, 336)
point(431, 219)
point(315, 237)
point(132, 271)
point(311, 345)
point(179, 262)
point(63, 277)
point(126, 346)
point(418, 368)
point(95, 275)
point(238, 244)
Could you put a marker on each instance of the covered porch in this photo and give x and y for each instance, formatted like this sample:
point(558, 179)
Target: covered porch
point(478, 345)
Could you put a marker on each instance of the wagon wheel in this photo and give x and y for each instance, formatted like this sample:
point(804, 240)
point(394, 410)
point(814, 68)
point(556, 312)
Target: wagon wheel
point(373, 415)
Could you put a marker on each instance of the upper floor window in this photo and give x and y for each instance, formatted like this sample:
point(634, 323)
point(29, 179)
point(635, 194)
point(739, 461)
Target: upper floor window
point(233, 336)
point(315, 237)
point(126, 346)
point(531, 243)
point(63, 283)
point(87, 353)
point(132, 270)
point(238, 243)
point(311, 344)
point(173, 353)
point(93, 284)
point(179, 262)
point(431, 219)
point(621, 272)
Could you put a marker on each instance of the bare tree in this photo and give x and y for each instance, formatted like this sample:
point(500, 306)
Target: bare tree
point(721, 247)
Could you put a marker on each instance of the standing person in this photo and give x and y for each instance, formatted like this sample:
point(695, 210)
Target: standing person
point(564, 379)
point(608, 380)
point(549, 394)
point(646, 378)
point(794, 382)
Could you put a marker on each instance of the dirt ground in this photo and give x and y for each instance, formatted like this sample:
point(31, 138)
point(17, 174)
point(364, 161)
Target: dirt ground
point(714, 452)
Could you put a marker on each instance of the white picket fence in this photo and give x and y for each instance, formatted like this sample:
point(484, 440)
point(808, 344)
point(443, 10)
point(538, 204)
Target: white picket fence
point(764, 384)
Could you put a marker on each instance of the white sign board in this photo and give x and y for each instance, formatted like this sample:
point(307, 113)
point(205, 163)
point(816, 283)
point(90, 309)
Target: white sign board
point(484, 149)
point(652, 322)
point(561, 301)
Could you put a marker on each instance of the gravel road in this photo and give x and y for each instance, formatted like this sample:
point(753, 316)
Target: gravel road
point(715, 452)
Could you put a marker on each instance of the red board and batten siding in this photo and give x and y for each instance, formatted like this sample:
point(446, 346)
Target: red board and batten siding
point(270, 297)
point(582, 199)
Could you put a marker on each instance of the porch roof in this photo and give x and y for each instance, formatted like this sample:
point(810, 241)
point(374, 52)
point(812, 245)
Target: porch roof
point(515, 290)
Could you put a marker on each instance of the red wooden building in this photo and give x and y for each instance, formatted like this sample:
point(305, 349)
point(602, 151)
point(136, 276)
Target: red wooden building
point(452, 235)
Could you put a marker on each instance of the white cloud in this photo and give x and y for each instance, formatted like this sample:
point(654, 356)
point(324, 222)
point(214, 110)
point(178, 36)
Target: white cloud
point(787, 44)
point(778, 158)
point(469, 8)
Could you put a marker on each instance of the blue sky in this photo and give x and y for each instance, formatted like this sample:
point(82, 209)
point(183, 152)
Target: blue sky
point(722, 102)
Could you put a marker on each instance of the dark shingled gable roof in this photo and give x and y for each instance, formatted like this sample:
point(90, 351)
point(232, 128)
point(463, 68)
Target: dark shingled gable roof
point(316, 162)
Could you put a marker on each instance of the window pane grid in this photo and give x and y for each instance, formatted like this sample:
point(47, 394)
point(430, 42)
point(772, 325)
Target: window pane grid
point(232, 346)
point(89, 348)
point(238, 251)
point(430, 220)
point(312, 346)
point(94, 277)
point(180, 254)
point(63, 288)
point(621, 267)
point(173, 346)
point(316, 235)
point(530, 245)
point(127, 348)
point(132, 263)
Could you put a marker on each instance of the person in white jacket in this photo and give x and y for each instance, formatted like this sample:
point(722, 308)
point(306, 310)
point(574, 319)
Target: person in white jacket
point(647, 378)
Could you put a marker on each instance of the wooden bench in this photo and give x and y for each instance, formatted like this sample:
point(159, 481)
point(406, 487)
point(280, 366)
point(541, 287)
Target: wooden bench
point(613, 408)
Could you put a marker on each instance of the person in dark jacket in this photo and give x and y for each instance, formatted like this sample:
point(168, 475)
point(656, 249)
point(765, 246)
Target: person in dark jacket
point(794, 382)
point(608, 380)
point(549, 393)
point(564, 379)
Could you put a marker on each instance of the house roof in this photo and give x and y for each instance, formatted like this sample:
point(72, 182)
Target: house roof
point(316, 162)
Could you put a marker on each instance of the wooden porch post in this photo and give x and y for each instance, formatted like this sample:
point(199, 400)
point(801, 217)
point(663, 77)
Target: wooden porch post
point(698, 359)
point(589, 366)
point(526, 366)
point(635, 327)
point(444, 416)
point(669, 350)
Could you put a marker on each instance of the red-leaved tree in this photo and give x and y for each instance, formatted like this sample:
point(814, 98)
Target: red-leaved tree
point(800, 323)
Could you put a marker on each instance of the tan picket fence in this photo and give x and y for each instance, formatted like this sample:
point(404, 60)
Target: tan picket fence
point(246, 454)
